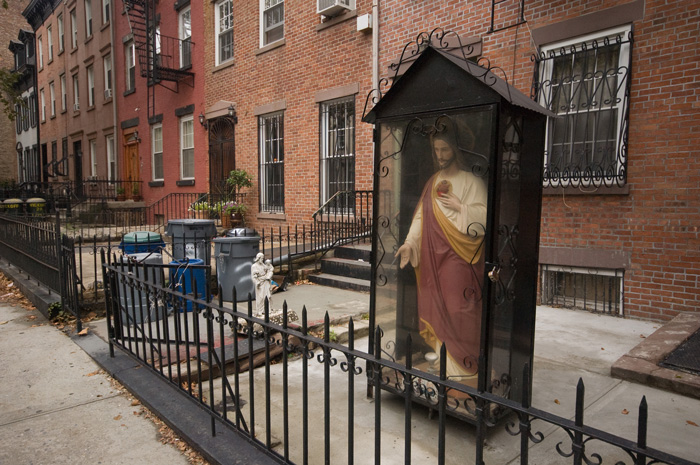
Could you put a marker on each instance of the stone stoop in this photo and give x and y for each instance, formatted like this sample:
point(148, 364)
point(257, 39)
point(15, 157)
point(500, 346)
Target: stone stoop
point(347, 268)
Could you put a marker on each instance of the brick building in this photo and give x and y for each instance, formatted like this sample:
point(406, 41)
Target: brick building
point(621, 188)
point(11, 21)
point(159, 87)
point(298, 79)
point(74, 88)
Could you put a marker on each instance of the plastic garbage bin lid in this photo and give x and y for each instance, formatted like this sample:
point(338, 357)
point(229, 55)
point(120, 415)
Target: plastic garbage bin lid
point(238, 232)
point(142, 237)
point(36, 200)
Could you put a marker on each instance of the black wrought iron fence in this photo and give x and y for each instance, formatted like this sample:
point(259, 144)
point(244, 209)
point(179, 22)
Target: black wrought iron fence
point(307, 403)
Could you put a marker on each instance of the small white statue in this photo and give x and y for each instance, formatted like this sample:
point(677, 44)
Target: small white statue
point(261, 273)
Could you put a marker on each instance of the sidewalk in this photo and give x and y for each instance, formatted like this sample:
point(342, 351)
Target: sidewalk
point(569, 345)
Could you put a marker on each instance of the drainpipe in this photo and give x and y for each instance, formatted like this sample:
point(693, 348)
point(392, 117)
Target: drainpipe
point(375, 44)
point(115, 136)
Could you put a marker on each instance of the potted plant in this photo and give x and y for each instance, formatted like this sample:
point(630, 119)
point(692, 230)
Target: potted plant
point(233, 214)
point(237, 180)
point(121, 195)
point(135, 192)
point(200, 209)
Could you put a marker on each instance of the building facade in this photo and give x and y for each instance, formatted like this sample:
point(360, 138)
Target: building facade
point(297, 75)
point(621, 191)
point(74, 89)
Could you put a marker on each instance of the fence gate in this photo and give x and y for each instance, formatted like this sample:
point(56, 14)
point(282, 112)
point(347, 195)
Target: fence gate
point(70, 299)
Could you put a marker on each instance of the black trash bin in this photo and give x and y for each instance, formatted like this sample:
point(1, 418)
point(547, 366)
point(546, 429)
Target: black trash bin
point(235, 255)
point(191, 238)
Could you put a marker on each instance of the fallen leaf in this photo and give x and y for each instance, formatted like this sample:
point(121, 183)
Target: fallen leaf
point(134, 403)
point(31, 317)
point(625, 411)
point(642, 336)
point(602, 348)
point(93, 373)
point(691, 423)
point(118, 417)
point(83, 332)
point(556, 401)
point(3, 322)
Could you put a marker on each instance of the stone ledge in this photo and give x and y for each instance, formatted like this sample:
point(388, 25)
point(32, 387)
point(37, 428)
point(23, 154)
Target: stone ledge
point(641, 364)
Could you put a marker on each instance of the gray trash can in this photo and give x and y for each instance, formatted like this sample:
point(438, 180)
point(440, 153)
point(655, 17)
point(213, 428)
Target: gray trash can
point(234, 258)
point(143, 305)
point(191, 238)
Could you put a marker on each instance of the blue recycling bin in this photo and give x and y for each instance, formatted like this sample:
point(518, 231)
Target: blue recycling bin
point(183, 276)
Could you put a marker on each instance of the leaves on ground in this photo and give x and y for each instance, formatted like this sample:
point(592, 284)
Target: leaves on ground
point(691, 423)
point(9, 293)
point(625, 411)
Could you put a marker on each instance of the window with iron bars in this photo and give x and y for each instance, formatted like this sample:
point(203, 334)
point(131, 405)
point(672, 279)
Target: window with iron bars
point(271, 143)
point(338, 151)
point(592, 289)
point(586, 84)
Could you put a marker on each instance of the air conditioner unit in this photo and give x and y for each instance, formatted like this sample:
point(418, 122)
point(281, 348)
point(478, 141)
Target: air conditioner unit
point(334, 7)
point(76, 106)
point(108, 93)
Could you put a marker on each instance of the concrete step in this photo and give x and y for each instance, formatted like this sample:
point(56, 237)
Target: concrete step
point(340, 282)
point(350, 268)
point(353, 252)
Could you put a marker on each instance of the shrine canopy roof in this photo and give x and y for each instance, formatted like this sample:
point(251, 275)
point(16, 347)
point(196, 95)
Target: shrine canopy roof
point(439, 81)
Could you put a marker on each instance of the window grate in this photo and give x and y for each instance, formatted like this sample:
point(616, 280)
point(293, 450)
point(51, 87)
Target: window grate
point(591, 289)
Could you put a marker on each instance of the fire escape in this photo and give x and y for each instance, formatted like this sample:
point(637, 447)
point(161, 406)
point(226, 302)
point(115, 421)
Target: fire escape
point(162, 60)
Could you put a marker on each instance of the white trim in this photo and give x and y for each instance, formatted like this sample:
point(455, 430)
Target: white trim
point(218, 31)
point(153, 152)
point(111, 157)
point(183, 121)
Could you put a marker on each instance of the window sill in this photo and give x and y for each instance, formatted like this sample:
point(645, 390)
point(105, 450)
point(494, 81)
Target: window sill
point(52, 117)
point(60, 52)
point(49, 62)
point(104, 26)
point(88, 38)
point(90, 108)
point(107, 100)
point(271, 216)
point(184, 182)
point(73, 50)
point(157, 183)
point(129, 92)
point(583, 190)
point(272, 46)
point(225, 65)
point(186, 68)
point(63, 111)
point(336, 20)
point(76, 113)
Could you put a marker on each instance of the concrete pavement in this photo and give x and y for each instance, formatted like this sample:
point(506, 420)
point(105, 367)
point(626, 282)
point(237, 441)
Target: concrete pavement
point(569, 345)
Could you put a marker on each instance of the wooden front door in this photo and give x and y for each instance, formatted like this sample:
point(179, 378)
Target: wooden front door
point(131, 163)
point(222, 153)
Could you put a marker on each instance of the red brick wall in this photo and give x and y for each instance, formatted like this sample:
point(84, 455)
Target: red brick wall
point(656, 223)
point(310, 61)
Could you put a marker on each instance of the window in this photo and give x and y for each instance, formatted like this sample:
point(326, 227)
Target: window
point(40, 46)
point(272, 21)
point(592, 289)
point(187, 148)
point(25, 114)
point(586, 83)
point(88, 18)
point(91, 86)
point(93, 158)
point(337, 147)
point(107, 62)
point(157, 152)
point(76, 93)
point(271, 143)
point(64, 94)
point(54, 156)
point(224, 31)
point(105, 11)
point(18, 118)
point(64, 156)
point(185, 33)
point(52, 97)
point(111, 159)
point(73, 29)
point(43, 105)
point(49, 42)
point(32, 110)
point(60, 33)
point(130, 54)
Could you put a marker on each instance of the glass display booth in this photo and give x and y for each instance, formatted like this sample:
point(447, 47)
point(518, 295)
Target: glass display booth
point(457, 193)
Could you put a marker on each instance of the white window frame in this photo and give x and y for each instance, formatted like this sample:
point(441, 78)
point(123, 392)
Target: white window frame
point(64, 93)
point(105, 11)
point(185, 134)
point(88, 18)
point(185, 35)
point(111, 158)
point(76, 93)
point(265, 7)
point(52, 98)
point(49, 42)
point(545, 75)
point(61, 33)
point(325, 141)
point(92, 143)
point(73, 29)
point(157, 152)
point(130, 63)
point(107, 67)
point(40, 46)
point(91, 86)
point(43, 105)
point(264, 144)
point(220, 23)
